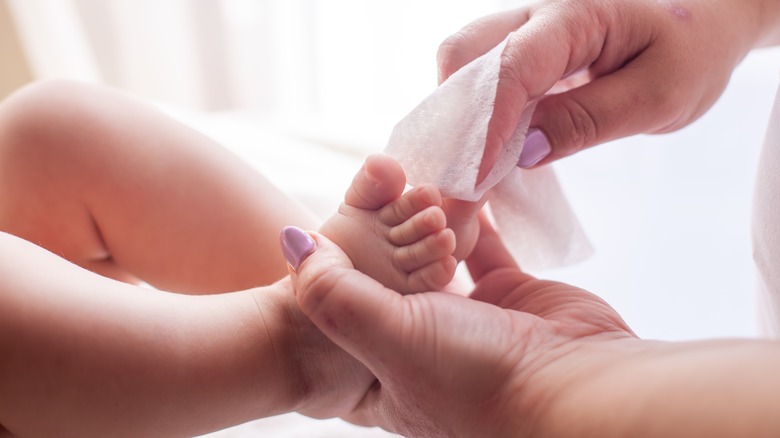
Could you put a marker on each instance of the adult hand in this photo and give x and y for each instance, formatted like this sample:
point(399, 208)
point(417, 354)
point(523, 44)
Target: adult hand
point(446, 365)
point(618, 67)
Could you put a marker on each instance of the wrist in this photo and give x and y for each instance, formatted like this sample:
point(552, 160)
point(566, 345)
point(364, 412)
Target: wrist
point(322, 380)
point(552, 394)
point(580, 391)
point(281, 328)
point(636, 388)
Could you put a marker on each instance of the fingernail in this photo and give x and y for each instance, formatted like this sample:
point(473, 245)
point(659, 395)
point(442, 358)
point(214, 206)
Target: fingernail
point(535, 148)
point(296, 245)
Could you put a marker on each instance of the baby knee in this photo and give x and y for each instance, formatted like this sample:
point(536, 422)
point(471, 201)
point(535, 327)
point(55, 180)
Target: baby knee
point(29, 109)
point(40, 113)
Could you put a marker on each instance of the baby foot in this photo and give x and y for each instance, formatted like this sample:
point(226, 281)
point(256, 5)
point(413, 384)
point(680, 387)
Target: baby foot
point(401, 240)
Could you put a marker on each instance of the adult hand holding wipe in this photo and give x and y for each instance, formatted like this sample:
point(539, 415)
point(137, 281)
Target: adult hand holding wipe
point(442, 142)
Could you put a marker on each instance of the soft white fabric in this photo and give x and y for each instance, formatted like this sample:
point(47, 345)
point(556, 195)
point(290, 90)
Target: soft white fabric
point(766, 225)
point(441, 142)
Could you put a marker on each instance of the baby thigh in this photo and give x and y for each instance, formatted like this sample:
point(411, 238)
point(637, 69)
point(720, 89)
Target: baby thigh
point(117, 187)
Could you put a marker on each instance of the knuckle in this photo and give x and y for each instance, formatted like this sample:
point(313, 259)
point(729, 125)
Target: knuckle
point(452, 52)
point(669, 111)
point(413, 255)
point(404, 235)
point(399, 210)
point(513, 72)
point(316, 288)
point(399, 256)
point(396, 234)
point(416, 252)
point(584, 126)
point(31, 114)
point(511, 65)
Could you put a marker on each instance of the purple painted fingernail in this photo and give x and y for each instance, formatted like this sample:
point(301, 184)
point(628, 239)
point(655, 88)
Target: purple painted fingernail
point(296, 245)
point(535, 148)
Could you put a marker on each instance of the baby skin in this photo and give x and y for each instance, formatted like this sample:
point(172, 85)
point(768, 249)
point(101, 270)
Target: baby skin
point(140, 197)
point(409, 243)
point(278, 360)
point(402, 240)
point(115, 187)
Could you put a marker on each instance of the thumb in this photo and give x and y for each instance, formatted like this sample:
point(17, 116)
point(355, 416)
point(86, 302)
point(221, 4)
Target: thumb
point(355, 311)
point(633, 99)
point(535, 58)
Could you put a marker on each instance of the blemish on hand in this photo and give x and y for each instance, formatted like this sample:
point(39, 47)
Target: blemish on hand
point(680, 12)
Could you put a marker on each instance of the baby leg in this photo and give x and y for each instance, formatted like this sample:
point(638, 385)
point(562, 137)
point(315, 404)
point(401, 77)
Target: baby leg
point(119, 188)
point(401, 240)
point(83, 355)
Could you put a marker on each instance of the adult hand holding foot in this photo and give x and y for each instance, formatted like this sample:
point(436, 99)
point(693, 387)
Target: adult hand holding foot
point(618, 68)
point(448, 365)
point(527, 357)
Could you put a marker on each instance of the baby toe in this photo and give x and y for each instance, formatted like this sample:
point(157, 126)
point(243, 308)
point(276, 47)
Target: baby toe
point(379, 182)
point(408, 205)
point(434, 276)
point(423, 252)
point(425, 222)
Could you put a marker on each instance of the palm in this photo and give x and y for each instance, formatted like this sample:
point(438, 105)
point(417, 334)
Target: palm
point(575, 312)
point(446, 365)
point(525, 325)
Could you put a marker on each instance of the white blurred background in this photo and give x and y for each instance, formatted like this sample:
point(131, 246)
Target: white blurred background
point(304, 89)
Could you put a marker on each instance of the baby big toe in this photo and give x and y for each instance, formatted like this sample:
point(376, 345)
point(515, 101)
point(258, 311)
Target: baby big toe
point(379, 182)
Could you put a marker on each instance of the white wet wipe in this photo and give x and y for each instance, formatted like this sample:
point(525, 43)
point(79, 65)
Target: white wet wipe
point(441, 142)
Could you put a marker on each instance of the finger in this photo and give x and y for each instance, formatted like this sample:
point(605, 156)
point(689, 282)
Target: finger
point(496, 275)
point(634, 99)
point(352, 309)
point(476, 39)
point(489, 254)
point(551, 46)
